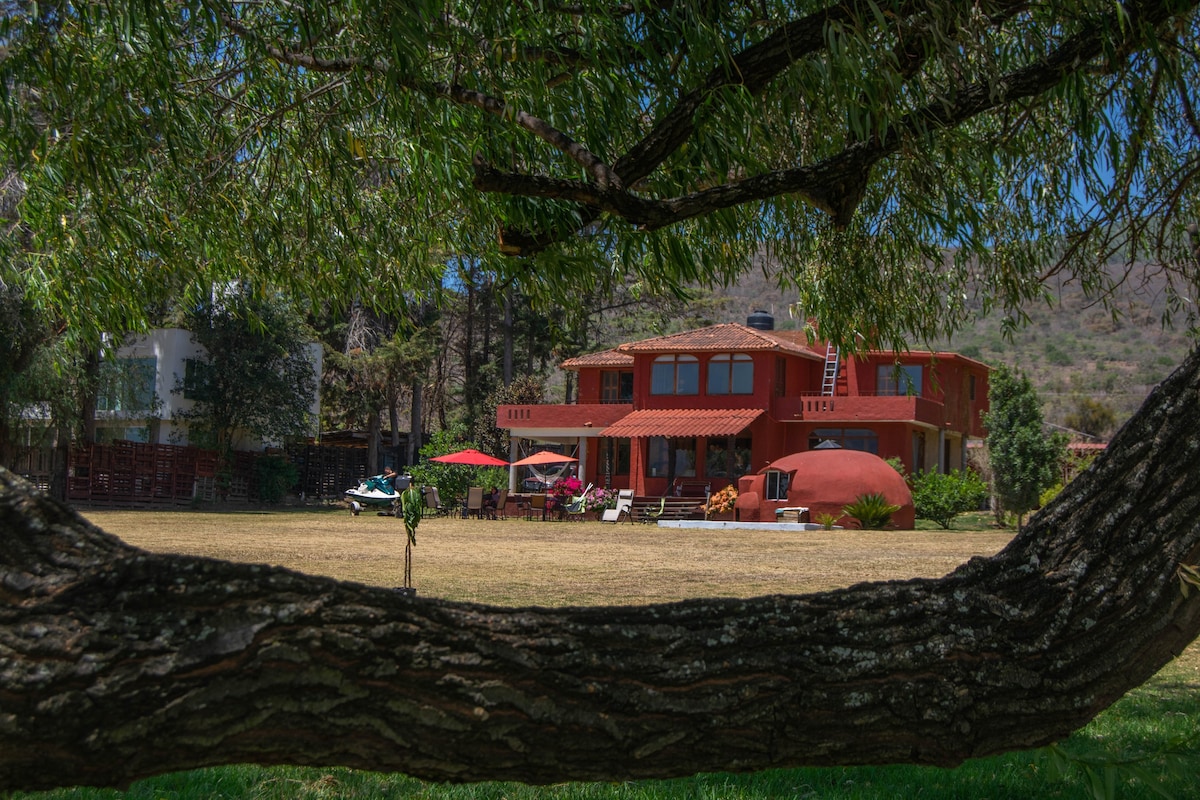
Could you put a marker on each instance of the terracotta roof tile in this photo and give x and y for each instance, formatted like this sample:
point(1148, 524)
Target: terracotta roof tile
point(725, 337)
point(683, 422)
point(604, 358)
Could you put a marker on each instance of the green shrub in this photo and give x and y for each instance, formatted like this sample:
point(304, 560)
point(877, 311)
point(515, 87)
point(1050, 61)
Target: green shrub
point(941, 497)
point(871, 510)
point(1049, 494)
point(275, 476)
point(826, 521)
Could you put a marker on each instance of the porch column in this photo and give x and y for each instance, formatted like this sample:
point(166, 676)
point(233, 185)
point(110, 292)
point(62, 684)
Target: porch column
point(582, 455)
point(941, 446)
point(637, 466)
point(513, 450)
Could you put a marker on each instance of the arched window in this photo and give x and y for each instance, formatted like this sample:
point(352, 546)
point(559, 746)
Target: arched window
point(731, 373)
point(675, 375)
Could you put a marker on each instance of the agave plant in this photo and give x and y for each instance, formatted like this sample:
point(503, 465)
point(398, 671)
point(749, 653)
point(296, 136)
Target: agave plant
point(871, 510)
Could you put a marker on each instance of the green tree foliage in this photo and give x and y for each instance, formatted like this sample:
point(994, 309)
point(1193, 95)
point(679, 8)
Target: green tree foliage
point(255, 377)
point(1023, 458)
point(275, 476)
point(22, 332)
point(524, 389)
point(366, 146)
point(362, 382)
point(411, 510)
point(1091, 416)
point(941, 496)
point(453, 480)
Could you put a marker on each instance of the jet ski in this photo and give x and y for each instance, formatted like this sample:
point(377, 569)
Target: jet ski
point(377, 491)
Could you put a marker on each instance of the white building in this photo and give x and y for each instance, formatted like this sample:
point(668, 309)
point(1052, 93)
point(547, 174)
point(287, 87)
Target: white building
point(141, 403)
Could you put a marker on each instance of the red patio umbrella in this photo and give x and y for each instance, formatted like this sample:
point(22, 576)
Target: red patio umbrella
point(543, 457)
point(471, 457)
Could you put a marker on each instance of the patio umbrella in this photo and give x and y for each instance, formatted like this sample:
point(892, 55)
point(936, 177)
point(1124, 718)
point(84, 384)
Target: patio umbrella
point(543, 457)
point(471, 457)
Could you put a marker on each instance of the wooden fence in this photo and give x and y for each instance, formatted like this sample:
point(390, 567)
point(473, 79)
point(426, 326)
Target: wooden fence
point(139, 475)
point(326, 472)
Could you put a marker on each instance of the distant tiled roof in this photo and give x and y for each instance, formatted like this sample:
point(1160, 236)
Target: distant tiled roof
point(605, 358)
point(683, 422)
point(722, 338)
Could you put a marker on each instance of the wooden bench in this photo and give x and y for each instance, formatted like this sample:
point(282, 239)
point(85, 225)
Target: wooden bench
point(646, 509)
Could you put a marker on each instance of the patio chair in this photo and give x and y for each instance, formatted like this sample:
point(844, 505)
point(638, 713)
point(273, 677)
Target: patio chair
point(433, 502)
point(501, 501)
point(652, 514)
point(474, 505)
point(578, 505)
point(624, 506)
point(537, 505)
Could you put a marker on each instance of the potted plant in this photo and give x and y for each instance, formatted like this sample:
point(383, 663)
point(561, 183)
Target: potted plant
point(599, 499)
point(721, 503)
point(562, 492)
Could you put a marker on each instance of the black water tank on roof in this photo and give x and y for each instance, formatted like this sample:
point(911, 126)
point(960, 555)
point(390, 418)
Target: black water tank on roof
point(761, 320)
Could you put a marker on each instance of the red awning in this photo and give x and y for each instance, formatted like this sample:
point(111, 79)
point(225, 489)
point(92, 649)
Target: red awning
point(683, 422)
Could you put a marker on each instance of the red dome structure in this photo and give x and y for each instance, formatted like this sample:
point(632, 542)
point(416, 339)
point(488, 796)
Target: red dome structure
point(825, 481)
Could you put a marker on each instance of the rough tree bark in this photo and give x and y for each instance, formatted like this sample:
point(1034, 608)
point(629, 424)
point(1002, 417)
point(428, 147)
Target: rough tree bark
point(117, 664)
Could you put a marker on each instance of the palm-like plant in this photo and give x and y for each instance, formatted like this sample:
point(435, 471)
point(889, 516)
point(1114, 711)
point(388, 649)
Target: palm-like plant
point(872, 510)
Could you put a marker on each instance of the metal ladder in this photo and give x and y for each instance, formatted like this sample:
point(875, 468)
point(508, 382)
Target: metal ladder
point(832, 362)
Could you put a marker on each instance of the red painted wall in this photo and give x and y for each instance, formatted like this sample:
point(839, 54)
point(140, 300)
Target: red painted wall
point(825, 481)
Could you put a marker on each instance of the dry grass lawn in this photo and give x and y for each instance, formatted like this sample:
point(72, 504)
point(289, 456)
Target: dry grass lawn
point(513, 562)
point(516, 563)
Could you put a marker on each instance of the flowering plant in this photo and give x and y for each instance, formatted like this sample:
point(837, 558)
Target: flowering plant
point(566, 488)
point(722, 500)
point(598, 499)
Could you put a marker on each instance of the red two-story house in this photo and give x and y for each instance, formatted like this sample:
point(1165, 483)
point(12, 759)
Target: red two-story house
point(704, 407)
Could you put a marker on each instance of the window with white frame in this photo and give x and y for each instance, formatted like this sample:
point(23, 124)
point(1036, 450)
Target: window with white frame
point(777, 484)
point(127, 385)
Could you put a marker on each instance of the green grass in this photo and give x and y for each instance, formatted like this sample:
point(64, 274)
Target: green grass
point(971, 521)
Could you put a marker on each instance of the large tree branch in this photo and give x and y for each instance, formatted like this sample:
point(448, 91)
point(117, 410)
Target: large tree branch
point(836, 184)
point(117, 664)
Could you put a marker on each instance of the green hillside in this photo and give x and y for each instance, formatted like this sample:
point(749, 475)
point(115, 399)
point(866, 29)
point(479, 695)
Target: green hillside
point(1071, 349)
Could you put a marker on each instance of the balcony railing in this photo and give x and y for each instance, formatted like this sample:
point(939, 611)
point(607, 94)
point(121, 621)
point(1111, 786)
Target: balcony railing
point(860, 407)
point(554, 415)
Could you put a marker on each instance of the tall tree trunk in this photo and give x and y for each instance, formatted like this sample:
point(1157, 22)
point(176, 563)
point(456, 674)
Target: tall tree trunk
point(416, 424)
point(470, 374)
point(508, 336)
point(8, 435)
point(60, 463)
point(117, 663)
point(373, 438)
point(488, 300)
point(87, 395)
point(393, 405)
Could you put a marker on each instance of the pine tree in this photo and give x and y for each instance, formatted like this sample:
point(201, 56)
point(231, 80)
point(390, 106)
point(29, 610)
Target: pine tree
point(1023, 459)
